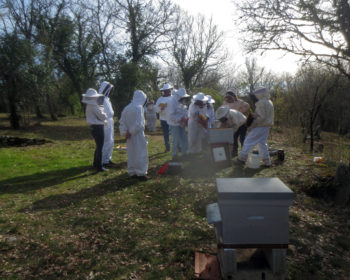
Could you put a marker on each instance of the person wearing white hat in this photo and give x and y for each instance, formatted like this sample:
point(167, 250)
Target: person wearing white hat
point(107, 90)
point(263, 119)
point(162, 110)
point(229, 118)
point(150, 116)
point(197, 123)
point(210, 111)
point(132, 125)
point(233, 102)
point(177, 121)
point(97, 118)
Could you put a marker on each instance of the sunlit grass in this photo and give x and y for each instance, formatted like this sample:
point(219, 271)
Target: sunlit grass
point(61, 220)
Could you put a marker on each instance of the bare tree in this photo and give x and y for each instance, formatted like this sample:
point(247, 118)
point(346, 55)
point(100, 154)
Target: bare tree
point(196, 47)
point(311, 87)
point(253, 75)
point(147, 23)
point(318, 30)
point(229, 78)
point(21, 16)
point(104, 14)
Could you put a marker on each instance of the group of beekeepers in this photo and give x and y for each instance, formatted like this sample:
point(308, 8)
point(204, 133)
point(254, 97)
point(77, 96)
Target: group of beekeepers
point(187, 125)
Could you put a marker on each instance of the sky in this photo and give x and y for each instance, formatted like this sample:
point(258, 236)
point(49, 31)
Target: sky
point(222, 12)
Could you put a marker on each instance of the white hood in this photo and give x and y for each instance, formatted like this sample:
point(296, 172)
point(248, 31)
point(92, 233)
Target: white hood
point(262, 93)
point(139, 98)
point(105, 88)
point(180, 93)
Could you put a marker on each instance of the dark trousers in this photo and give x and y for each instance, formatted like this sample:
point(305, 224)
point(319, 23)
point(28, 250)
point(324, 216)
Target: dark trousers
point(97, 132)
point(241, 133)
point(165, 129)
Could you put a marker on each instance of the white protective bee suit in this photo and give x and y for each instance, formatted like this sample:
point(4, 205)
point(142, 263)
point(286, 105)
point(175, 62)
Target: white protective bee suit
point(106, 89)
point(150, 116)
point(177, 120)
point(235, 118)
point(210, 111)
point(260, 128)
point(196, 132)
point(132, 120)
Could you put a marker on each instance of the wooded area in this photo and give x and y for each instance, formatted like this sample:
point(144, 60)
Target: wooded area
point(52, 51)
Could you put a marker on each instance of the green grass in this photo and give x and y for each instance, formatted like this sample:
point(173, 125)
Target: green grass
point(61, 220)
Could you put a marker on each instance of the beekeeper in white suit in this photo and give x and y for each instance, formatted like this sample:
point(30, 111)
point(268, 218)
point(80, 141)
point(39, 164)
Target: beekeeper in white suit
point(197, 123)
point(227, 118)
point(107, 90)
point(210, 111)
point(97, 118)
point(132, 125)
point(177, 121)
point(150, 116)
point(263, 119)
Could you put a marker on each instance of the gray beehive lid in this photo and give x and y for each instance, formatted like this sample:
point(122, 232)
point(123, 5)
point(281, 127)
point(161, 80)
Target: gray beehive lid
point(220, 135)
point(253, 189)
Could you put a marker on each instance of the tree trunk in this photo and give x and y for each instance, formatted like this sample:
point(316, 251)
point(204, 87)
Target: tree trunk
point(72, 110)
point(14, 117)
point(38, 113)
point(52, 111)
point(311, 136)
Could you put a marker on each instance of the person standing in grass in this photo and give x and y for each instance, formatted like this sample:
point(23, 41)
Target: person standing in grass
point(97, 119)
point(132, 125)
point(197, 123)
point(263, 119)
point(177, 121)
point(107, 90)
point(233, 102)
point(162, 110)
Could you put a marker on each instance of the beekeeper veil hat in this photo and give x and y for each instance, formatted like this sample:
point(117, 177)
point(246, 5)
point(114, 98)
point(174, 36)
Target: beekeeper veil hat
point(106, 89)
point(221, 112)
point(200, 97)
point(90, 97)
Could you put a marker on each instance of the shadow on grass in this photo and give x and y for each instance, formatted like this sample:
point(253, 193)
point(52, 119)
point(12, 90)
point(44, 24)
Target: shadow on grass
point(199, 166)
point(41, 180)
point(120, 141)
point(61, 132)
point(118, 165)
point(202, 166)
point(156, 156)
point(242, 172)
point(70, 199)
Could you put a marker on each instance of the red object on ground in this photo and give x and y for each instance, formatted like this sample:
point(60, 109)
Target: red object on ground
point(163, 169)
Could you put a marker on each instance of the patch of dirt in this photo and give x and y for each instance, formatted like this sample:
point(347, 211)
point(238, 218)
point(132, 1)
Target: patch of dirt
point(8, 141)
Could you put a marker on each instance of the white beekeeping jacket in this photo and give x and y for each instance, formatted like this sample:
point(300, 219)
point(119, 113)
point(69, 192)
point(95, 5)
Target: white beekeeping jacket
point(132, 120)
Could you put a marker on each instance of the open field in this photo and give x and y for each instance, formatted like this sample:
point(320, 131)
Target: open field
point(61, 220)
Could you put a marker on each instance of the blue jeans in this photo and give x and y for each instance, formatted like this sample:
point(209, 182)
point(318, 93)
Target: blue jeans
point(97, 132)
point(179, 136)
point(165, 128)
